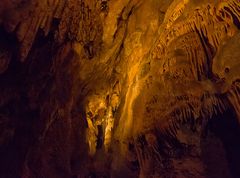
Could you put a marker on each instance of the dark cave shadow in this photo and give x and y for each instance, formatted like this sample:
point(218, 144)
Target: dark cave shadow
point(221, 147)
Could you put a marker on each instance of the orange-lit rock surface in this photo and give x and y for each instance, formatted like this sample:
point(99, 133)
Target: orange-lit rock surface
point(119, 88)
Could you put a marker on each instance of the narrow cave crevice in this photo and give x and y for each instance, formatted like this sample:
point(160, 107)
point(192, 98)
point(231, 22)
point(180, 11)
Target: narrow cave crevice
point(9, 44)
point(220, 150)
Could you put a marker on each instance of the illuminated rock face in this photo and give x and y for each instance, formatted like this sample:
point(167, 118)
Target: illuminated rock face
point(119, 88)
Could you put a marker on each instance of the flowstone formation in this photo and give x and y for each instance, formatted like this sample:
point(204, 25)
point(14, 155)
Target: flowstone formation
point(119, 88)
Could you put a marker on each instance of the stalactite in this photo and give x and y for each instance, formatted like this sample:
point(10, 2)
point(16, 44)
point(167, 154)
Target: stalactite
point(234, 99)
point(85, 26)
point(41, 17)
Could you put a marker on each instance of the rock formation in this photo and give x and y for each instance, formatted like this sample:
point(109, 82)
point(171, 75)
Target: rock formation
point(119, 88)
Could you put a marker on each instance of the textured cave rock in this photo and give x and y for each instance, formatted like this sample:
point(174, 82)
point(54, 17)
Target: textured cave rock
point(119, 88)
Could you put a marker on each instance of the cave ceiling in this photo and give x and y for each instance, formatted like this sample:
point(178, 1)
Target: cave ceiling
point(119, 88)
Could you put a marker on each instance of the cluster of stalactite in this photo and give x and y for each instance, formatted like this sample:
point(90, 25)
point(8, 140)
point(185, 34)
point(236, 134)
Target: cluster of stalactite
point(194, 90)
point(187, 50)
point(78, 20)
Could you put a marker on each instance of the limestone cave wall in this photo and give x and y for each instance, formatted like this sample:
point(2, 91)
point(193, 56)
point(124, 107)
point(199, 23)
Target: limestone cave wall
point(119, 88)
